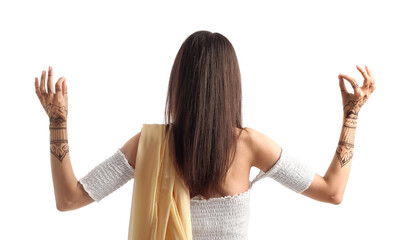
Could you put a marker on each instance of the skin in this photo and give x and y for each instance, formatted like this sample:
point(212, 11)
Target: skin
point(331, 187)
point(255, 149)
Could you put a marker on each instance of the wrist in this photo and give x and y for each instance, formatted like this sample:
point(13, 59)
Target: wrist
point(349, 122)
point(58, 134)
point(57, 124)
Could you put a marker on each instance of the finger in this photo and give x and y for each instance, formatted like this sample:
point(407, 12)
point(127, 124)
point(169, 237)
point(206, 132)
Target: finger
point(37, 86)
point(64, 87)
point(341, 83)
point(351, 81)
point(369, 71)
point(372, 77)
point(367, 79)
point(50, 80)
point(342, 86)
point(38, 91)
point(42, 83)
point(65, 95)
point(58, 86)
point(372, 87)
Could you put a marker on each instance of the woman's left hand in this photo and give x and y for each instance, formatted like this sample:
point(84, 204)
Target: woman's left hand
point(353, 102)
point(55, 103)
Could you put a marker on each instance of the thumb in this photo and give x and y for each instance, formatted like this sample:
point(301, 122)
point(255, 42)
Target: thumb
point(342, 86)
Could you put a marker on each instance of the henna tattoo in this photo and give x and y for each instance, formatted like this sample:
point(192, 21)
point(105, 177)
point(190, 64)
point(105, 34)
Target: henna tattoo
point(58, 131)
point(57, 115)
point(352, 108)
point(59, 142)
point(351, 123)
point(347, 134)
point(345, 149)
point(345, 152)
point(59, 148)
point(355, 84)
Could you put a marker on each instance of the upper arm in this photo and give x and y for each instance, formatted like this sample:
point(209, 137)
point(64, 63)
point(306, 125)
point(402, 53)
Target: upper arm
point(130, 149)
point(319, 190)
point(81, 198)
point(266, 154)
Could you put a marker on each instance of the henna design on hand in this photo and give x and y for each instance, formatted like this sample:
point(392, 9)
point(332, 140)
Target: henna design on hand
point(352, 107)
point(57, 115)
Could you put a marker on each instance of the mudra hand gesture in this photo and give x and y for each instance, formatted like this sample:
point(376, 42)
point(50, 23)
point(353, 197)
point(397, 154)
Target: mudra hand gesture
point(55, 103)
point(353, 102)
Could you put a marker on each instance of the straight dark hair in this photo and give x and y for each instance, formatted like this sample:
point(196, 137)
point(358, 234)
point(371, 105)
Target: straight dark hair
point(203, 109)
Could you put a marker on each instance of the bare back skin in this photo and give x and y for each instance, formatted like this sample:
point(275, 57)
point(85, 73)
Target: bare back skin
point(248, 152)
point(237, 179)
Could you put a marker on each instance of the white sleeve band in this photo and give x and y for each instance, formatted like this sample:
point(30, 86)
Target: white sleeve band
point(108, 176)
point(290, 172)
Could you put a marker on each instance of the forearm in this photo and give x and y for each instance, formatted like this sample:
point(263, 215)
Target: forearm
point(338, 172)
point(64, 179)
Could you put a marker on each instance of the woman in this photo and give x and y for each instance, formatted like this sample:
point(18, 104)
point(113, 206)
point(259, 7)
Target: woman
point(213, 152)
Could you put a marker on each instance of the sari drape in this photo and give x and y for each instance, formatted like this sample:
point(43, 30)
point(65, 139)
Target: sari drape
point(160, 200)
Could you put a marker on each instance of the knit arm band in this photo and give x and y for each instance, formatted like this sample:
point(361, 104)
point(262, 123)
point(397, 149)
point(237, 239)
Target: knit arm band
point(290, 172)
point(108, 176)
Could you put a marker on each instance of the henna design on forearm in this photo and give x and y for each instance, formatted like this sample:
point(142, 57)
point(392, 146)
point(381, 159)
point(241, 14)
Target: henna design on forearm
point(345, 149)
point(59, 148)
point(58, 131)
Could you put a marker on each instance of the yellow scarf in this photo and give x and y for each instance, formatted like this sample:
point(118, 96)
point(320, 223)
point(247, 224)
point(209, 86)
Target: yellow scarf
point(160, 200)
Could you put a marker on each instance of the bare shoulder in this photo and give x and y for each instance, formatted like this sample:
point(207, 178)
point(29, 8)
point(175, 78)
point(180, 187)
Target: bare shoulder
point(265, 150)
point(130, 149)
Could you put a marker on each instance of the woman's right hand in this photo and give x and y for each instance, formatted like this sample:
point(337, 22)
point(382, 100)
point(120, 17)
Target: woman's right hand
point(55, 103)
point(353, 102)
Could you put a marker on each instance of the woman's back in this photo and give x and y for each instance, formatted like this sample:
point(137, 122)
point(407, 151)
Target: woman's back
point(237, 178)
point(254, 149)
point(227, 216)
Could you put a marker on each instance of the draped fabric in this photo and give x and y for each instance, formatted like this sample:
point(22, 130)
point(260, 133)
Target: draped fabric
point(160, 200)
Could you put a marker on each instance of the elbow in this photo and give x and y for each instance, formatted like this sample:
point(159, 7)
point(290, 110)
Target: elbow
point(61, 207)
point(336, 199)
point(334, 195)
point(64, 206)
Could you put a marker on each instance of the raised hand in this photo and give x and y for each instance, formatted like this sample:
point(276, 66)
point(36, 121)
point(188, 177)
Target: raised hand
point(55, 103)
point(353, 102)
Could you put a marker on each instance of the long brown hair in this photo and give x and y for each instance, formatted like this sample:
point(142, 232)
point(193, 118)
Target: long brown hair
point(203, 107)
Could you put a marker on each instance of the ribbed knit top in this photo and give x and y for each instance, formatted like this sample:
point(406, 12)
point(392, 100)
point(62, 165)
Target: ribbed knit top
point(222, 218)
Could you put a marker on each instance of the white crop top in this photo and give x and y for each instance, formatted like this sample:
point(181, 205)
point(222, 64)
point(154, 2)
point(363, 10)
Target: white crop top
point(215, 218)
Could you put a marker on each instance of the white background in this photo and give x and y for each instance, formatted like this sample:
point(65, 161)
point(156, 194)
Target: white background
point(117, 57)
